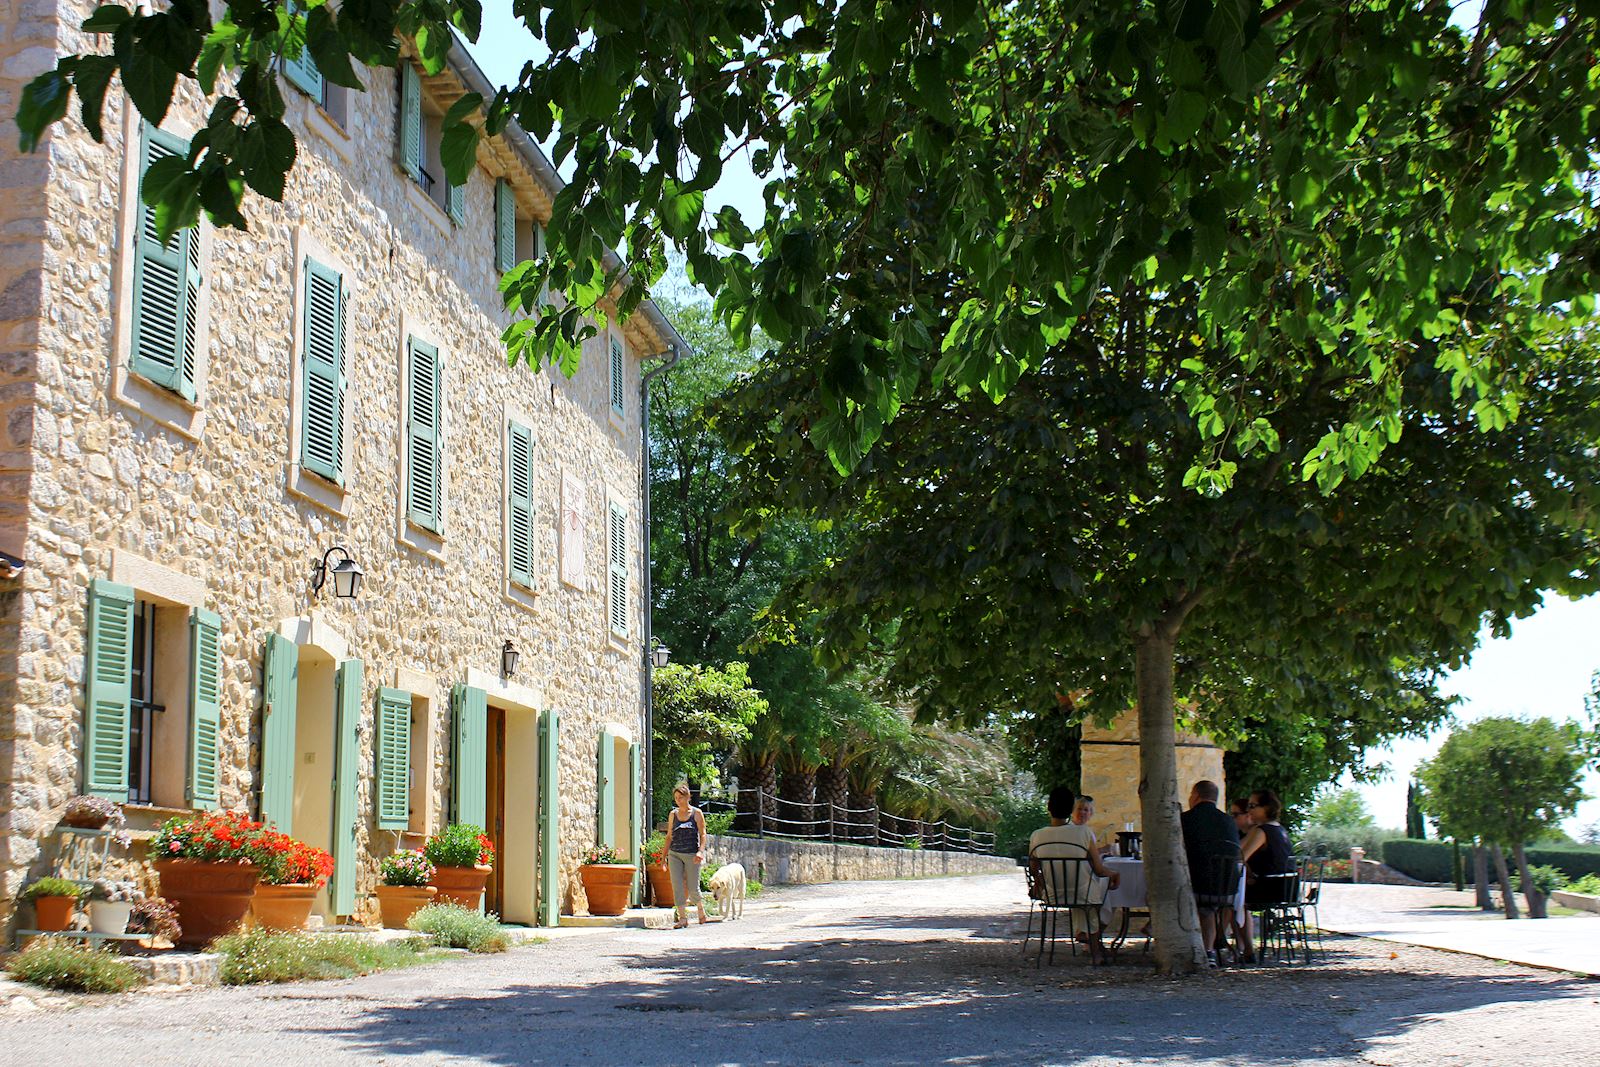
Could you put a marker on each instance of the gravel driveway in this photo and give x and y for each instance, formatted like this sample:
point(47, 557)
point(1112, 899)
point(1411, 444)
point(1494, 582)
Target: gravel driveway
point(882, 972)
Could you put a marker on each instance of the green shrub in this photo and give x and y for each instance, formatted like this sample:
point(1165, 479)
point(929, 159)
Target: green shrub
point(52, 887)
point(460, 844)
point(57, 963)
point(1430, 860)
point(913, 842)
point(1339, 840)
point(1588, 885)
point(1545, 879)
point(260, 955)
point(752, 888)
point(719, 823)
point(452, 926)
point(706, 871)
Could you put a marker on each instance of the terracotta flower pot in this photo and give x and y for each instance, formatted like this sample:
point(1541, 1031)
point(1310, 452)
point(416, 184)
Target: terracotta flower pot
point(461, 885)
point(660, 885)
point(397, 903)
point(54, 913)
point(607, 885)
point(283, 907)
point(212, 898)
point(109, 916)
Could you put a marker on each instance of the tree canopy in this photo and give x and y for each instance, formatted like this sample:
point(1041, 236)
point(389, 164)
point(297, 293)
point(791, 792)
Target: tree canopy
point(701, 713)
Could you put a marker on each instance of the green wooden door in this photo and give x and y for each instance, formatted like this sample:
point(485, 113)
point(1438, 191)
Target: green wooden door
point(469, 755)
point(635, 821)
point(280, 692)
point(342, 889)
point(549, 818)
point(605, 791)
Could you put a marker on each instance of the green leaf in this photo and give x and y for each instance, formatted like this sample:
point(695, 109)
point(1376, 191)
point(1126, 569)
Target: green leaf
point(681, 210)
point(107, 18)
point(266, 152)
point(1186, 111)
point(327, 47)
point(458, 147)
point(218, 47)
point(149, 81)
point(44, 101)
point(91, 79)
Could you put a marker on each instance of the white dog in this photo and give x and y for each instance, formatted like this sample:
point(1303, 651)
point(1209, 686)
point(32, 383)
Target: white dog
point(727, 886)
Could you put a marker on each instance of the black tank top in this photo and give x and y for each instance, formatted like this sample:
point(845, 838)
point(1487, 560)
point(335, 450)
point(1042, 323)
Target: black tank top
point(685, 835)
point(1273, 857)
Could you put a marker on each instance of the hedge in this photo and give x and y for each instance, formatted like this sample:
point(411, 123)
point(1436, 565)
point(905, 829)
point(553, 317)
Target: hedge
point(1429, 861)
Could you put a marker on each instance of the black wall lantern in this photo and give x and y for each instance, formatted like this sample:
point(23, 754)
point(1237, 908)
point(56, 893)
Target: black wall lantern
point(508, 660)
point(346, 575)
point(659, 655)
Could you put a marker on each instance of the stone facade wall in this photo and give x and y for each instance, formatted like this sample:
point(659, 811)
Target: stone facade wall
point(116, 483)
point(1111, 770)
point(777, 862)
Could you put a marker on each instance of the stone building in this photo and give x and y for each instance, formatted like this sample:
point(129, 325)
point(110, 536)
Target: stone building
point(1110, 770)
point(190, 429)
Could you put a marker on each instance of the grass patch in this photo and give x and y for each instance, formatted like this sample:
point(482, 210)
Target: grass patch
point(452, 926)
point(57, 963)
point(260, 955)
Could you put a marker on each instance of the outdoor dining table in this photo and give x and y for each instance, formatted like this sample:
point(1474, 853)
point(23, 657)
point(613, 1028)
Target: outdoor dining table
point(1132, 894)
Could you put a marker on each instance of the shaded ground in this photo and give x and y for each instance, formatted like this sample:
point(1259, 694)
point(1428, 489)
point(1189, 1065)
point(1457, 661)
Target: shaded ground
point(899, 973)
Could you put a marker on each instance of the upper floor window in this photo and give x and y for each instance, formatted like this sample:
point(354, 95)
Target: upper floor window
point(166, 341)
point(419, 138)
point(302, 72)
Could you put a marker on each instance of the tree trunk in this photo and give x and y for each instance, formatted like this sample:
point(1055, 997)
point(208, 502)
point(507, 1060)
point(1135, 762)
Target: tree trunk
point(1530, 892)
point(1179, 948)
point(833, 793)
point(798, 788)
point(1508, 899)
point(866, 804)
point(757, 779)
point(1480, 878)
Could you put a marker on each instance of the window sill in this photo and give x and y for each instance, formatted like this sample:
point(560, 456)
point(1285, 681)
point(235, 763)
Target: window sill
point(317, 490)
point(427, 205)
point(324, 126)
point(619, 423)
point(160, 405)
point(421, 540)
point(521, 596)
point(620, 645)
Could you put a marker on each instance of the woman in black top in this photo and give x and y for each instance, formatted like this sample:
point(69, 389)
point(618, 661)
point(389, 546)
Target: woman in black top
point(1265, 850)
point(686, 851)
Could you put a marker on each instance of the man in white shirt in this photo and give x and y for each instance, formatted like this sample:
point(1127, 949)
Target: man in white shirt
point(1068, 840)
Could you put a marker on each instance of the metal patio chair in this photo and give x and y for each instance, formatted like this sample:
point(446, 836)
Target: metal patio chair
point(1066, 883)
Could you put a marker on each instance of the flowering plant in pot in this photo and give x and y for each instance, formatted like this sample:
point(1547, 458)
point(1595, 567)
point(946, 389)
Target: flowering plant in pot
point(208, 863)
point(92, 813)
point(405, 889)
point(607, 880)
point(291, 874)
point(462, 858)
point(655, 869)
point(111, 904)
point(54, 901)
point(156, 918)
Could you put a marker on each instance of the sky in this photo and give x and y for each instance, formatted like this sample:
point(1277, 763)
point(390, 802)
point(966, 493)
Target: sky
point(1543, 668)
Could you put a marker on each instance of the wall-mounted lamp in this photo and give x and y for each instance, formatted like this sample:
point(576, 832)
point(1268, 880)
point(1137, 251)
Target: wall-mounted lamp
point(346, 575)
point(508, 660)
point(659, 655)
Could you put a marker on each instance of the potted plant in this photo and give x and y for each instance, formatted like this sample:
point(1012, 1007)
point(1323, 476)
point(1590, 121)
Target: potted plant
point(655, 869)
point(607, 880)
point(405, 887)
point(292, 872)
point(207, 863)
point(54, 900)
point(155, 918)
point(111, 905)
point(462, 858)
point(92, 813)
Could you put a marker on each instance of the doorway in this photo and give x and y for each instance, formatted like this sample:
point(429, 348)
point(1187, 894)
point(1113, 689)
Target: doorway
point(511, 810)
point(495, 808)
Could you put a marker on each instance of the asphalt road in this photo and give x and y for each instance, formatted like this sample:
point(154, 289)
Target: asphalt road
point(891, 973)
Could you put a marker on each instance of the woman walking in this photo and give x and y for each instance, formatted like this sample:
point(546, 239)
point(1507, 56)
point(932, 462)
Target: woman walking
point(686, 851)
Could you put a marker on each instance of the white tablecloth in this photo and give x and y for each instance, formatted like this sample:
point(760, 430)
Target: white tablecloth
point(1131, 891)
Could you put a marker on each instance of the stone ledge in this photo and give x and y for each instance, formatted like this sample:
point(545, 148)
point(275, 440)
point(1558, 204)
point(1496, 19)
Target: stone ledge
point(1581, 901)
point(776, 862)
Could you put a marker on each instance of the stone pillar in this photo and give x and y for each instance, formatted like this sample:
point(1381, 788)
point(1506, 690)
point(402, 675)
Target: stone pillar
point(1357, 854)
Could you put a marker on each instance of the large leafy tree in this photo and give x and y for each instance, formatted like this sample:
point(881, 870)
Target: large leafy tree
point(701, 714)
point(1507, 781)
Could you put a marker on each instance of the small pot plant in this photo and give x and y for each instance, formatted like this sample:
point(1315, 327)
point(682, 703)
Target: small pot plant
point(111, 904)
point(655, 869)
point(291, 874)
point(405, 890)
point(462, 857)
point(607, 880)
point(92, 813)
point(156, 918)
point(54, 900)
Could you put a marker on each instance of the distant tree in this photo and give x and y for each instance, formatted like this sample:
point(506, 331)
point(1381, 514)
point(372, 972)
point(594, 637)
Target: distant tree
point(1343, 807)
point(701, 714)
point(1415, 827)
point(1590, 834)
point(1506, 781)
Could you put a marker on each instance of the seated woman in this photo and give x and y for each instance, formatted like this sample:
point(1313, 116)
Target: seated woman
point(1266, 853)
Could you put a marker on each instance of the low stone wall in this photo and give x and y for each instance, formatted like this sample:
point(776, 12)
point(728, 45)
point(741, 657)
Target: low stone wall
point(1581, 901)
point(777, 862)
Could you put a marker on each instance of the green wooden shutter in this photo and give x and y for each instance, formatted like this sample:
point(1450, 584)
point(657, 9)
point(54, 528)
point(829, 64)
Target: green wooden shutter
point(302, 69)
point(205, 706)
point(538, 253)
point(280, 696)
point(342, 889)
point(109, 690)
point(394, 759)
point(605, 792)
point(618, 367)
point(424, 474)
point(505, 226)
point(519, 504)
point(469, 755)
point(550, 818)
point(166, 284)
point(455, 202)
point(617, 570)
point(635, 815)
point(409, 142)
point(322, 386)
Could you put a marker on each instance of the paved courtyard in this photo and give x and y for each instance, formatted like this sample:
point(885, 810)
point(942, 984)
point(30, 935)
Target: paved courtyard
point(892, 973)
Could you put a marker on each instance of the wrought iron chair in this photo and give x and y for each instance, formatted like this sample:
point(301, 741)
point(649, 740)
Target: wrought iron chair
point(1276, 911)
point(1215, 878)
point(1066, 883)
point(1310, 870)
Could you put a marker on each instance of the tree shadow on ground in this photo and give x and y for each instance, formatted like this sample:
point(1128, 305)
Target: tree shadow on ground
point(919, 1002)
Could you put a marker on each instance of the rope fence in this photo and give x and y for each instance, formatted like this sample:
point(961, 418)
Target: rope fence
point(761, 814)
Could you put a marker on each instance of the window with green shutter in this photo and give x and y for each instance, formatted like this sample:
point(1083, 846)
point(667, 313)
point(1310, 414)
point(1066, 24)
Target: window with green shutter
point(455, 202)
point(322, 382)
point(394, 759)
point(617, 568)
point(519, 504)
point(408, 142)
point(469, 754)
point(424, 435)
point(505, 226)
point(618, 367)
point(301, 69)
point(165, 340)
point(109, 690)
point(205, 707)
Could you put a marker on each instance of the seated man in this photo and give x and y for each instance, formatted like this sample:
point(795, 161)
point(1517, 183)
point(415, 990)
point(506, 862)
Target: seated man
point(1063, 839)
point(1211, 845)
